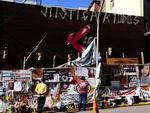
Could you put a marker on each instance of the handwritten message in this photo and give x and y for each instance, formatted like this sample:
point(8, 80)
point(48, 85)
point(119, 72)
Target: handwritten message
point(83, 15)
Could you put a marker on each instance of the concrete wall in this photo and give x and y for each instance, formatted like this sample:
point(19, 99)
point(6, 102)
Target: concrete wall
point(128, 7)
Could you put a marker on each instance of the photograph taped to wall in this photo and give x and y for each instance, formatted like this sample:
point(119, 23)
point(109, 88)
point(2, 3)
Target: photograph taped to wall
point(144, 78)
point(10, 93)
point(131, 72)
point(91, 72)
point(144, 75)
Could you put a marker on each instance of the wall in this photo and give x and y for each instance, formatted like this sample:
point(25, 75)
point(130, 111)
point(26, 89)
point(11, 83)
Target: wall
point(24, 25)
point(129, 7)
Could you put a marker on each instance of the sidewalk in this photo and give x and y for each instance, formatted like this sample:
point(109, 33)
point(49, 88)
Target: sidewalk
point(106, 110)
point(129, 109)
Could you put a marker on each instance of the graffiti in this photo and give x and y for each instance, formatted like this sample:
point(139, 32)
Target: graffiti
point(73, 38)
point(65, 13)
point(120, 19)
point(87, 15)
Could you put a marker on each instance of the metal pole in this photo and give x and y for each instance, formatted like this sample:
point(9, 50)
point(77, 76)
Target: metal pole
point(142, 57)
point(24, 62)
point(123, 56)
point(106, 57)
point(34, 49)
point(98, 23)
point(54, 57)
point(97, 49)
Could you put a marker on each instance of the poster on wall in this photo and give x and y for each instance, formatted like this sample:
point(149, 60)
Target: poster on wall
point(58, 79)
point(56, 75)
point(131, 74)
point(87, 72)
point(7, 75)
point(144, 80)
point(23, 74)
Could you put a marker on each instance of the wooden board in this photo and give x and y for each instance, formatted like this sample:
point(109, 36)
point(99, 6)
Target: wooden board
point(119, 61)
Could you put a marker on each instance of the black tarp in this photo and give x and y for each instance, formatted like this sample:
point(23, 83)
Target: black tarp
point(22, 26)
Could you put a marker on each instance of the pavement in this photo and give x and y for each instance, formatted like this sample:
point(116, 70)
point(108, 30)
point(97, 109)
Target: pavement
point(128, 109)
point(143, 107)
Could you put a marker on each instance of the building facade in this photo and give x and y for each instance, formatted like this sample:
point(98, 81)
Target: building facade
point(126, 7)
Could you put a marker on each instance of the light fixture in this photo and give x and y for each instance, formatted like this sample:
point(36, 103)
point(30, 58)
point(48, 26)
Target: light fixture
point(39, 56)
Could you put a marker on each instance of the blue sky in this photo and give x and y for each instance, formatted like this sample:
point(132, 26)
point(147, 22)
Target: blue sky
point(68, 3)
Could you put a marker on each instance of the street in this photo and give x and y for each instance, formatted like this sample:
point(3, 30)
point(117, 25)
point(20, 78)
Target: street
point(130, 109)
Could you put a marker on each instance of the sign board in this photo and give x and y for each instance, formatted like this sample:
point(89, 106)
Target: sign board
point(16, 75)
point(56, 75)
